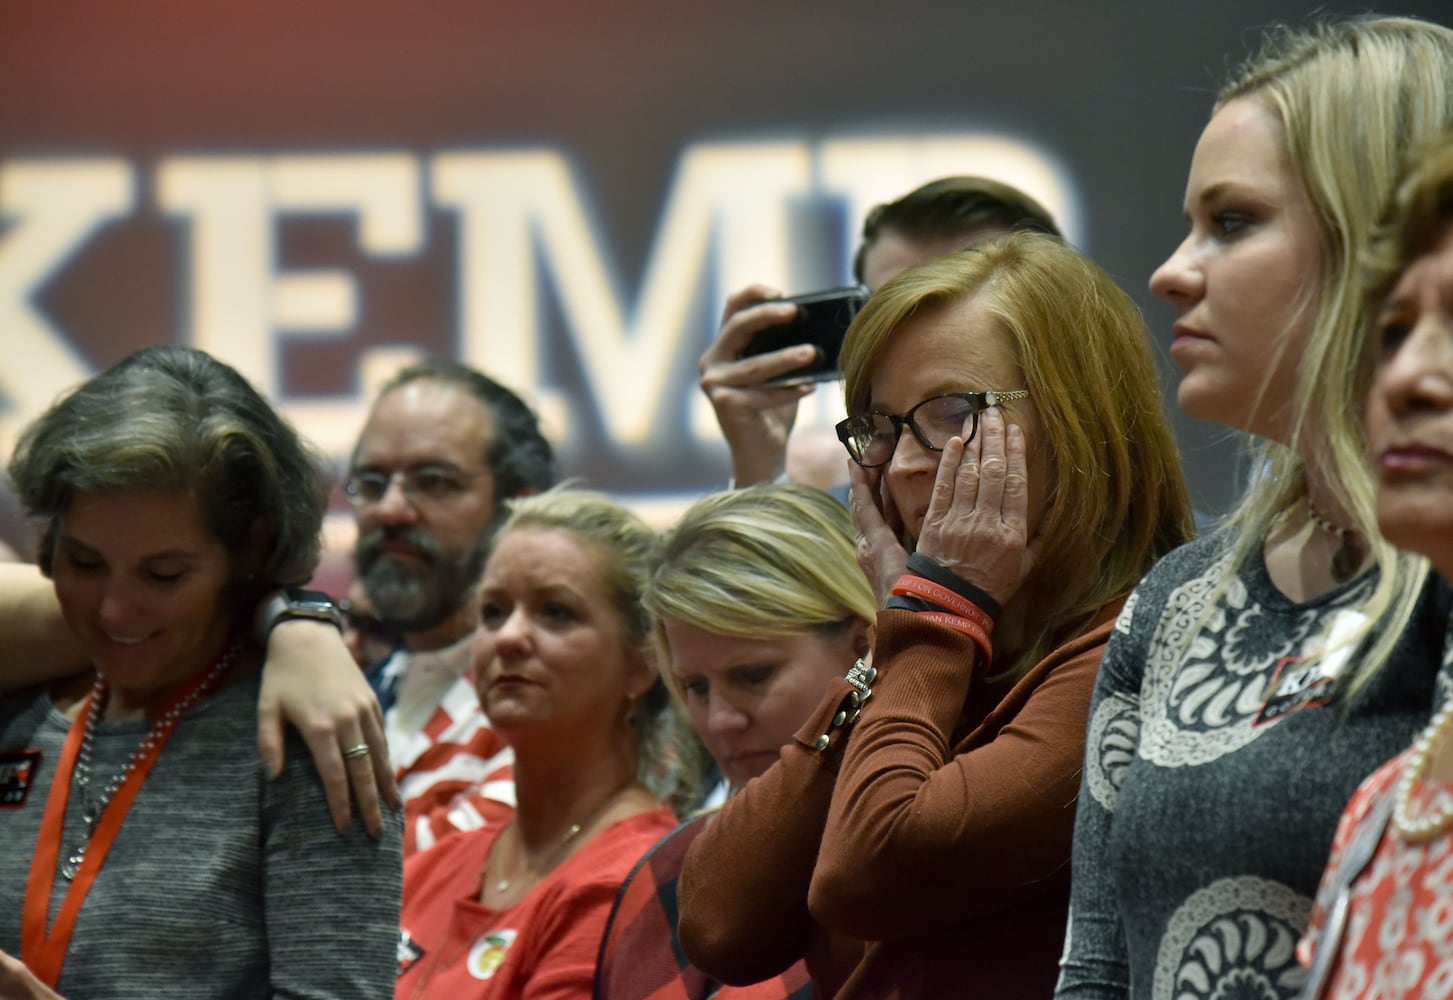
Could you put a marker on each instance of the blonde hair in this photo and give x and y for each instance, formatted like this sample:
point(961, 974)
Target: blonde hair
point(1353, 97)
point(669, 758)
point(768, 561)
point(1083, 347)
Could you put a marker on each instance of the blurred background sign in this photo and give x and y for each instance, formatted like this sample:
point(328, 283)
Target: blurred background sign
point(561, 194)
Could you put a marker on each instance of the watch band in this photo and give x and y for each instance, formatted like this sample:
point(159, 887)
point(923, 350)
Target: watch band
point(292, 604)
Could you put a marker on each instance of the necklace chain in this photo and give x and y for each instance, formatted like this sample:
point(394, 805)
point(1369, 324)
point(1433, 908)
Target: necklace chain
point(1348, 558)
point(1417, 830)
point(560, 850)
point(93, 809)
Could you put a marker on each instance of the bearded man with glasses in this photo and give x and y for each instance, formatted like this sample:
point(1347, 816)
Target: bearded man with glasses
point(443, 449)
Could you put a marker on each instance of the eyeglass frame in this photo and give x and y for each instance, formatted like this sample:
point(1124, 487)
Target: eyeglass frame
point(981, 401)
point(366, 623)
point(456, 479)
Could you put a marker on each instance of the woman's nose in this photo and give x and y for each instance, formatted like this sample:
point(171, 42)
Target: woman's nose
point(722, 715)
point(1179, 280)
point(115, 610)
point(1419, 374)
point(511, 637)
point(910, 456)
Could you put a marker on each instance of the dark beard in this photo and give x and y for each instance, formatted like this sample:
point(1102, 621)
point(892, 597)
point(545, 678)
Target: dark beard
point(411, 598)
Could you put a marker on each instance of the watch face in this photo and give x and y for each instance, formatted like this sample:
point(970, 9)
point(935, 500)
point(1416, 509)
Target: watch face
point(313, 604)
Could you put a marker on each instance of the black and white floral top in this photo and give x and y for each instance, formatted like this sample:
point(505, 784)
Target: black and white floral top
point(1218, 759)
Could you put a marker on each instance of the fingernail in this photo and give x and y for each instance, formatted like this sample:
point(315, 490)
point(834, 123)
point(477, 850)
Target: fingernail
point(274, 767)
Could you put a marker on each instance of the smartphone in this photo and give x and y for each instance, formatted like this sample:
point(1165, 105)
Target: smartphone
point(822, 320)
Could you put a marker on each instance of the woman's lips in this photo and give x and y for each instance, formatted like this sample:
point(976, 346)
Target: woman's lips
point(1412, 460)
point(1184, 338)
point(512, 681)
point(1181, 332)
point(1188, 344)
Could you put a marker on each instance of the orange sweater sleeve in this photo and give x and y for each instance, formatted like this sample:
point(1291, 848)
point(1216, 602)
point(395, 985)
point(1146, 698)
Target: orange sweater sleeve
point(922, 834)
point(743, 887)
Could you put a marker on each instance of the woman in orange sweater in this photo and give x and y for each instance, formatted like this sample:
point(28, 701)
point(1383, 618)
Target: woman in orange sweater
point(1006, 429)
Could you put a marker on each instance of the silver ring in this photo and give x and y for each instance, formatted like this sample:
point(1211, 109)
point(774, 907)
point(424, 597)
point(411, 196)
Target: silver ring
point(359, 751)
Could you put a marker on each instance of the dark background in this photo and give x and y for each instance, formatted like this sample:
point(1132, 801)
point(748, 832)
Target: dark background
point(1118, 91)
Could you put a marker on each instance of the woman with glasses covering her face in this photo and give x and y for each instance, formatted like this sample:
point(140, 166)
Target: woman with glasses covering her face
point(1007, 431)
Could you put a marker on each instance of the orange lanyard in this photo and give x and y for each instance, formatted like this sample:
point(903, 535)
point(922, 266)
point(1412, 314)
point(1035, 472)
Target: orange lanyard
point(43, 953)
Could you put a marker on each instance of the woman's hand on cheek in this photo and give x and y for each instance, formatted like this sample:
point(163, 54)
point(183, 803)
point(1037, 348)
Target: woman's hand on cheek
point(878, 527)
point(17, 982)
point(977, 524)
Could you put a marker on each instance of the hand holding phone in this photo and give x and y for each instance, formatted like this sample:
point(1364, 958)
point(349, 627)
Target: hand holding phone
point(755, 414)
point(821, 322)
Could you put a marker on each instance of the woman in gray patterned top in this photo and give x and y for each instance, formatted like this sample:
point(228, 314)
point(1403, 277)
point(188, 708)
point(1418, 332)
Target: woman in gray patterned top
point(1257, 675)
point(148, 853)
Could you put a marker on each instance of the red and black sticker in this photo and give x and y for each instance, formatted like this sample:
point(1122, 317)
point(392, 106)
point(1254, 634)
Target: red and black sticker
point(1296, 686)
point(18, 771)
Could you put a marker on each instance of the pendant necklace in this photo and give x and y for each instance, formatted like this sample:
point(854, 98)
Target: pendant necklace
point(503, 884)
point(93, 809)
point(562, 848)
point(1348, 557)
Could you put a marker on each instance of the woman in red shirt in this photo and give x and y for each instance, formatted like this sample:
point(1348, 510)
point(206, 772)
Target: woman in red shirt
point(565, 674)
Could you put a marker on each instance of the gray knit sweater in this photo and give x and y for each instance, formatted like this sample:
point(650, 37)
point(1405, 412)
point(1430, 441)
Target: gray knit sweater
point(1201, 834)
point(221, 883)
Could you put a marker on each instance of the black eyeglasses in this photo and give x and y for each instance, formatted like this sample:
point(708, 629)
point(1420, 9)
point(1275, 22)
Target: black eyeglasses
point(871, 437)
point(425, 484)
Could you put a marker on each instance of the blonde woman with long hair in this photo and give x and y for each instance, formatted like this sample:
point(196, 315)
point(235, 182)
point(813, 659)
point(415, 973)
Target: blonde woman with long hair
point(1247, 688)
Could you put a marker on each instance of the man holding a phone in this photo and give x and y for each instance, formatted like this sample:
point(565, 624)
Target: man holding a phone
point(770, 351)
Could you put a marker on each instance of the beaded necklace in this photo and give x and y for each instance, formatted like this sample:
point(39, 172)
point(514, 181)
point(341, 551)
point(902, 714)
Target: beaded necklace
point(1420, 829)
point(43, 942)
point(161, 729)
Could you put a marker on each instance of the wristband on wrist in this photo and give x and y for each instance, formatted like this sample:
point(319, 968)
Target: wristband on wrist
point(964, 626)
point(912, 585)
point(905, 602)
point(945, 577)
point(290, 605)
